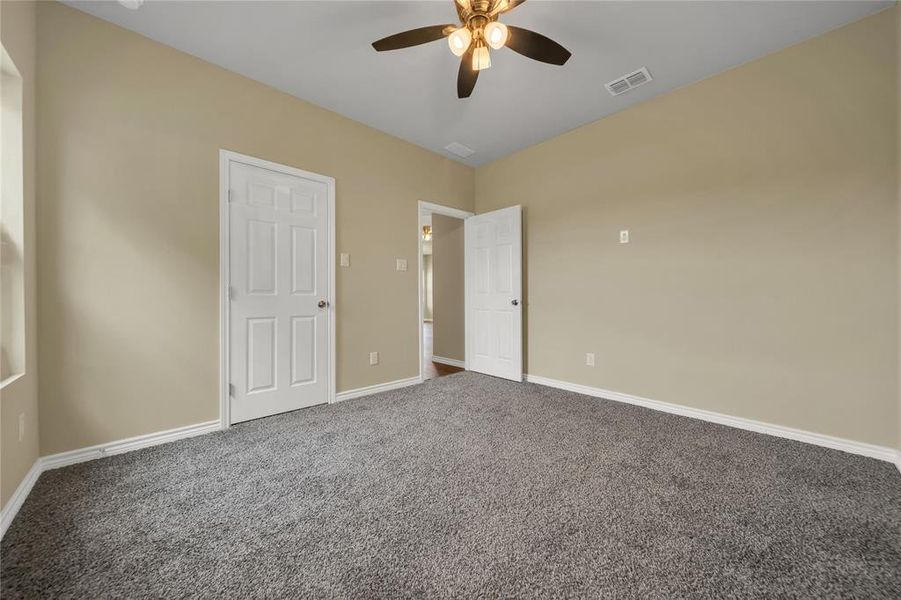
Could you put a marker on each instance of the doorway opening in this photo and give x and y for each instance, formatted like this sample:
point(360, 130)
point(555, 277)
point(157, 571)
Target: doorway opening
point(442, 293)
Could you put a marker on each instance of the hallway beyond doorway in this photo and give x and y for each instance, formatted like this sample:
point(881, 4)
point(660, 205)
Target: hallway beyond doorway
point(432, 369)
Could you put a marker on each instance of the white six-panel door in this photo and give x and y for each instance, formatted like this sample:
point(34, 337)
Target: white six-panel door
point(279, 354)
point(494, 293)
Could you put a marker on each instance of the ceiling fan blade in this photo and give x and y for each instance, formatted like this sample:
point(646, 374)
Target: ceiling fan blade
point(503, 6)
point(413, 37)
point(536, 46)
point(466, 77)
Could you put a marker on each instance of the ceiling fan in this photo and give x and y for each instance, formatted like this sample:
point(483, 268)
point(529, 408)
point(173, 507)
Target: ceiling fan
point(479, 29)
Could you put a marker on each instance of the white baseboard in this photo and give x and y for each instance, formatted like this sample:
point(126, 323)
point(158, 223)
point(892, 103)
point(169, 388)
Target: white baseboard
point(375, 389)
point(818, 439)
point(15, 501)
point(64, 459)
point(453, 362)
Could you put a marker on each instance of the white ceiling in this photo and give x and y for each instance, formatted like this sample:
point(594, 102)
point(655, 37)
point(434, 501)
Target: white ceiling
point(320, 52)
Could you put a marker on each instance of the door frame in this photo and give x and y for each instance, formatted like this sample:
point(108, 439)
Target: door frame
point(447, 211)
point(226, 157)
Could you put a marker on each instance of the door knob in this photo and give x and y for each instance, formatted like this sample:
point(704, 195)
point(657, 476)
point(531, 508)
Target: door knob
point(323, 303)
point(514, 302)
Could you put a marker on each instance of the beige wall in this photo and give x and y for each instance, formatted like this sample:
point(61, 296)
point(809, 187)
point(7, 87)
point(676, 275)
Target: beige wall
point(448, 285)
point(427, 287)
point(898, 183)
point(130, 132)
point(17, 31)
point(761, 280)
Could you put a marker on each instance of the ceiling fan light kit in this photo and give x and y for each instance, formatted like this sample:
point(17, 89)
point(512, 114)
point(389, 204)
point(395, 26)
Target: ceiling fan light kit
point(481, 59)
point(479, 30)
point(496, 34)
point(459, 41)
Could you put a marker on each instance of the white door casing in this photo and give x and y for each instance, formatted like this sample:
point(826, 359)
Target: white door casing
point(280, 324)
point(494, 293)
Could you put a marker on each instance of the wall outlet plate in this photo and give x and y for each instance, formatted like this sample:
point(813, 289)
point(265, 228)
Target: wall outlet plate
point(589, 359)
point(401, 264)
point(345, 259)
point(624, 236)
point(373, 358)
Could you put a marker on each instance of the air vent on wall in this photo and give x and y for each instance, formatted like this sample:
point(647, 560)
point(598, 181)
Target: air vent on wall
point(459, 149)
point(627, 82)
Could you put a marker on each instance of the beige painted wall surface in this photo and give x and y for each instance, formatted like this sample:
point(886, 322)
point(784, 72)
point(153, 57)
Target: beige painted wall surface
point(18, 33)
point(130, 132)
point(427, 287)
point(761, 280)
point(898, 183)
point(448, 285)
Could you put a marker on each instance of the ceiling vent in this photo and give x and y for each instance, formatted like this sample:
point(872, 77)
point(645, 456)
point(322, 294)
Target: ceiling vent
point(627, 82)
point(460, 150)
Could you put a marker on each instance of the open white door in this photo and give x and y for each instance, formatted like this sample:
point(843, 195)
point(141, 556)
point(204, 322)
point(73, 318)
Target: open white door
point(494, 293)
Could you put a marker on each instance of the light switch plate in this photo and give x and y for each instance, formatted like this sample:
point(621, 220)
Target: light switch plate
point(624, 236)
point(401, 264)
point(373, 358)
point(345, 259)
point(589, 359)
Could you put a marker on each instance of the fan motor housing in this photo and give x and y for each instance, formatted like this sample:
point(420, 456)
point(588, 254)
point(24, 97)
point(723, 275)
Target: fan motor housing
point(477, 22)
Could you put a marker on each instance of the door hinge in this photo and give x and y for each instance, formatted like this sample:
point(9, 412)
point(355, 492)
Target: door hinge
point(231, 390)
point(230, 195)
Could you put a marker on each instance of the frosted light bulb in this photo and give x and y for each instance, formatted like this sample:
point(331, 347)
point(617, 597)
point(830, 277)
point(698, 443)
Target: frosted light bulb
point(481, 59)
point(496, 34)
point(459, 41)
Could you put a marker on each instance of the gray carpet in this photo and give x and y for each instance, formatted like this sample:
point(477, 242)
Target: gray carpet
point(466, 486)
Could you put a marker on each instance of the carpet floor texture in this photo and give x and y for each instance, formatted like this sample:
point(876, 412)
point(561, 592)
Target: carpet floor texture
point(465, 486)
